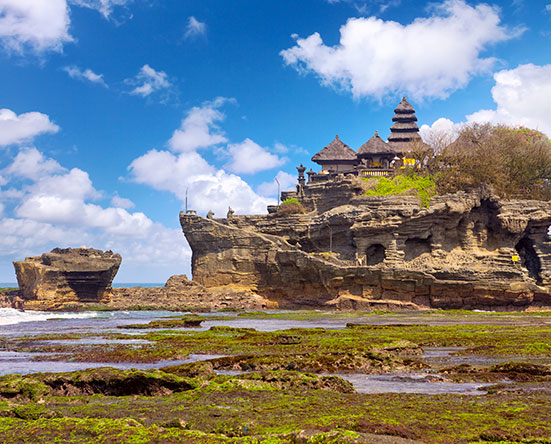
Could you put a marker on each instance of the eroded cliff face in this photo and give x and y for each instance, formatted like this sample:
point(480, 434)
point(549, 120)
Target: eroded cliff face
point(66, 275)
point(458, 253)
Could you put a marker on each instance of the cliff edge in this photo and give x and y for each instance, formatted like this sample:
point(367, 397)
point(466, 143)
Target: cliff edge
point(465, 251)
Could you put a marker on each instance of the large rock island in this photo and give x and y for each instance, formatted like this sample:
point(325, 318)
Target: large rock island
point(63, 276)
point(349, 250)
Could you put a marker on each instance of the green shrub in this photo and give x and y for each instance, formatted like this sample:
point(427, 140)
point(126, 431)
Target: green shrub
point(292, 200)
point(423, 186)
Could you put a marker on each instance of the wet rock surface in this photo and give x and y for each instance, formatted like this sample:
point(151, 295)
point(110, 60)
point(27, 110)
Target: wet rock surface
point(63, 276)
point(180, 293)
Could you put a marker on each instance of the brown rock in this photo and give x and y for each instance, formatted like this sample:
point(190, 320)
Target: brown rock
point(458, 253)
point(66, 276)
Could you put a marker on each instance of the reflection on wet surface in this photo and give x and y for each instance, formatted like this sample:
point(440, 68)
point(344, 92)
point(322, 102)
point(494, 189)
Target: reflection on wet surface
point(451, 356)
point(15, 362)
point(407, 383)
point(94, 325)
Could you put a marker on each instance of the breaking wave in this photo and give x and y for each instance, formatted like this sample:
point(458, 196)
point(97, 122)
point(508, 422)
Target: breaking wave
point(10, 316)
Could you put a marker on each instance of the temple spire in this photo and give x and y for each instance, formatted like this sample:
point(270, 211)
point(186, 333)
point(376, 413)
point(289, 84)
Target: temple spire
point(404, 130)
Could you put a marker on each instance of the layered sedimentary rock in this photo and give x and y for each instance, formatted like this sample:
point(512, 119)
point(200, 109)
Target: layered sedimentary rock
point(179, 293)
point(66, 276)
point(463, 251)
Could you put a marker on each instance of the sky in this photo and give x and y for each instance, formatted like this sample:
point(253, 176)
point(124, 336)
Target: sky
point(112, 110)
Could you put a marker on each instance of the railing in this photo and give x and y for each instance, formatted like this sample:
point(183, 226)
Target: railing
point(377, 172)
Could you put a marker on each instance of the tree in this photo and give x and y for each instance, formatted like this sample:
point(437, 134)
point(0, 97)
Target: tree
point(514, 162)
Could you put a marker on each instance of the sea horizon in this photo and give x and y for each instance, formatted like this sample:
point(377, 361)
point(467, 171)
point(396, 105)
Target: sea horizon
point(115, 285)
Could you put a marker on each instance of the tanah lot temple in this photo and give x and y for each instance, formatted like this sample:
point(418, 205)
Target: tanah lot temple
point(375, 157)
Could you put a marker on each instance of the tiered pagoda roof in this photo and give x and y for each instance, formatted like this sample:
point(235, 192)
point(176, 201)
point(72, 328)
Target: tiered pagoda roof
point(404, 130)
point(335, 151)
point(375, 145)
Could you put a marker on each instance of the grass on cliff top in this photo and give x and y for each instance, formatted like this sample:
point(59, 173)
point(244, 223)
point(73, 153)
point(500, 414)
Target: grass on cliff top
point(423, 186)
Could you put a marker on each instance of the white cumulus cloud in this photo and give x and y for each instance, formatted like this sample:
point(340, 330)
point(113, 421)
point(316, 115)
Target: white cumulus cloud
point(248, 157)
point(122, 202)
point(32, 164)
point(286, 182)
point(522, 99)
point(207, 187)
point(199, 128)
point(441, 133)
point(53, 208)
point(36, 25)
point(87, 75)
point(195, 28)
point(149, 81)
point(522, 96)
point(430, 57)
point(23, 127)
point(184, 171)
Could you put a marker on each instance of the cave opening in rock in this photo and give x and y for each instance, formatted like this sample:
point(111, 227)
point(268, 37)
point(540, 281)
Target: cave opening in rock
point(415, 247)
point(375, 254)
point(529, 257)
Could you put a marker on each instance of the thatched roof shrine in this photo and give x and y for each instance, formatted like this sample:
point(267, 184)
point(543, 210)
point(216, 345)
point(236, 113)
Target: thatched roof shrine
point(335, 151)
point(375, 145)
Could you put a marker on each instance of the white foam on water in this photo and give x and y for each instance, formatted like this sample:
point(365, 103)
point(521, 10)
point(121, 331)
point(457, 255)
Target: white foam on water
point(10, 316)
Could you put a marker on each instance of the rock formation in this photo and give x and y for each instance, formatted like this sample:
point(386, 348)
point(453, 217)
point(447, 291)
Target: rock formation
point(352, 251)
point(179, 293)
point(66, 276)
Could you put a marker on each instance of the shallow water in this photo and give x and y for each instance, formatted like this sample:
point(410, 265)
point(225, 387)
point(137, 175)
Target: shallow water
point(408, 383)
point(15, 324)
point(424, 384)
point(447, 356)
point(14, 362)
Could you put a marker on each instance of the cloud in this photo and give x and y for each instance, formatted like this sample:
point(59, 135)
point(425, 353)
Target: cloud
point(34, 25)
point(122, 202)
point(184, 171)
point(105, 7)
point(430, 57)
point(149, 81)
point(87, 75)
point(53, 208)
point(248, 157)
point(363, 6)
point(199, 129)
point(195, 28)
point(522, 98)
point(23, 127)
point(286, 182)
point(441, 133)
point(207, 187)
point(31, 164)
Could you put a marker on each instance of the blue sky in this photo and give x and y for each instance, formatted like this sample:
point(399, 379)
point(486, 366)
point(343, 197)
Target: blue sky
point(111, 109)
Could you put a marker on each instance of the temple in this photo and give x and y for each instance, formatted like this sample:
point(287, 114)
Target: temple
point(375, 157)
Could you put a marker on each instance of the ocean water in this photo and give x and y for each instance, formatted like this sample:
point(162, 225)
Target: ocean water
point(10, 316)
point(115, 284)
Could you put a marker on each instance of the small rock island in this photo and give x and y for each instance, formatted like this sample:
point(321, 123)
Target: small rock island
point(70, 275)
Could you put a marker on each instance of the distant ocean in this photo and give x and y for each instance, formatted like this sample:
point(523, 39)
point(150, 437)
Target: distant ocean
point(116, 284)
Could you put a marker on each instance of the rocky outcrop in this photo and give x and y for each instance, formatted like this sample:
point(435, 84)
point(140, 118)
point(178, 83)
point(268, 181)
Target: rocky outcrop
point(66, 276)
point(464, 251)
point(179, 293)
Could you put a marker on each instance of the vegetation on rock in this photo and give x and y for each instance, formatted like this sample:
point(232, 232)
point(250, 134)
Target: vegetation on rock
point(291, 206)
point(409, 182)
point(513, 162)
